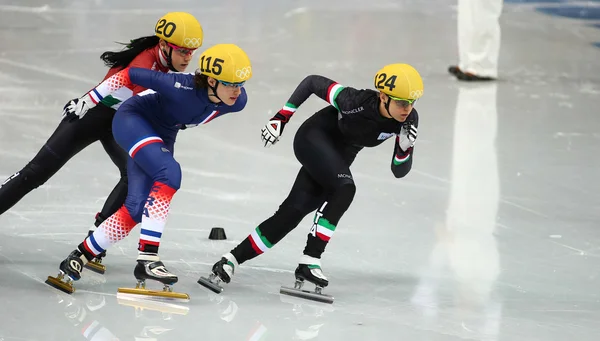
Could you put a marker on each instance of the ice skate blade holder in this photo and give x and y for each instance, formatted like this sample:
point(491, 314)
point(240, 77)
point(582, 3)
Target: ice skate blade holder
point(209, 283)
point(95, 266)
point(59, 283)
point(297, 291)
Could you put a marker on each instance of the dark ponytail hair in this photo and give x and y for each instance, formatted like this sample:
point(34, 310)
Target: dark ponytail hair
point(122, 58)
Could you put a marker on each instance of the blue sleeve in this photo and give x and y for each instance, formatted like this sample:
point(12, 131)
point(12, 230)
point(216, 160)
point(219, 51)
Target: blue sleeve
point(163, 83)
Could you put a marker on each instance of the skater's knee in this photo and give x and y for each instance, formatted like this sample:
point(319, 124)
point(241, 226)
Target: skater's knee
point(135, 207)
point(170, 175)
point(299, 205)
point(32, 176)
point(346, 190)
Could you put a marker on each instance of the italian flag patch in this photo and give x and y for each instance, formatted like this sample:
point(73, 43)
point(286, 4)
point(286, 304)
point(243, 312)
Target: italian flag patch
point(325, 229)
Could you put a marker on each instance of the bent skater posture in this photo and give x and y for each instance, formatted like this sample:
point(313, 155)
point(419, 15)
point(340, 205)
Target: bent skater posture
point(326, 145)
point(177, 35)
point(146, 126)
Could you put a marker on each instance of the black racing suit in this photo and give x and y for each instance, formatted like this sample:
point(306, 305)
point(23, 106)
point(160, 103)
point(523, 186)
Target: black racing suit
point(326, 145)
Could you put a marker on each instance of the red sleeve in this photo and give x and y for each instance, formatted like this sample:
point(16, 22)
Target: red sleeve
point(145, 60)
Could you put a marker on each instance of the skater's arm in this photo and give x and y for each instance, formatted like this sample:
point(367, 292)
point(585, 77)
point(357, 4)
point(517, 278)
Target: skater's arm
point(403, 158)
point(130, 77)
point(325, 88)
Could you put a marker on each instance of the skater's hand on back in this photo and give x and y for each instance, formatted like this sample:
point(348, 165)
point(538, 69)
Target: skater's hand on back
point(271, 132)
point(407, 137)
point(78, 107)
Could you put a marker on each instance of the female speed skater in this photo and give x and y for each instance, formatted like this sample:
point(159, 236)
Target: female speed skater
point(176, 36)
point(146, 126)
point(326, 145)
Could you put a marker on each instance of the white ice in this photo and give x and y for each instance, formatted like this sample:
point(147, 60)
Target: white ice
point(492, 236)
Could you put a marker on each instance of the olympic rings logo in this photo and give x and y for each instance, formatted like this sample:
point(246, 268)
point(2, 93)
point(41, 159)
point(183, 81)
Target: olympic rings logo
point(244, 72)
point(416, 93)
point(193, 43)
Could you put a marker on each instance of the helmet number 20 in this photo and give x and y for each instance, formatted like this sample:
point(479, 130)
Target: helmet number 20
point(165, 28)
point(383, 81)
point(216, 68)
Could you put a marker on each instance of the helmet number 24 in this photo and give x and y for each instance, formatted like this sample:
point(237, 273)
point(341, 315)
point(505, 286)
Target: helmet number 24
point(216, 68)
point(383, 81)
point(165, 28)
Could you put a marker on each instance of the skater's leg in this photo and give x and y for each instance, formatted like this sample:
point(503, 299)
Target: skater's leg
point(152, 153)
point(327, 161)
point(66, 141)
point(118, 225)
point(304, 197)
point(113, 229)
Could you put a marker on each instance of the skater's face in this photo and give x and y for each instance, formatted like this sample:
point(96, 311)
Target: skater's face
point(180, 57)
point(227, 92)
point(398, 109)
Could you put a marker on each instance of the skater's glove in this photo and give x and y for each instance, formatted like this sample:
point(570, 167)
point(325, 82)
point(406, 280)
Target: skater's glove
point(271, 132)
point(67, 114)
point(78, 107)
point(407, 137)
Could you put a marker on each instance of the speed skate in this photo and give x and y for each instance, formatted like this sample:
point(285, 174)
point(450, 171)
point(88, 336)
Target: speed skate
point(297, 291)
point(312, 273)
point(222, 271)
point(211, 283)
point(149, 266)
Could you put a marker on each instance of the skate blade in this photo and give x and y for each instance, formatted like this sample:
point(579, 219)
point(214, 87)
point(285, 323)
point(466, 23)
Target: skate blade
point(205, 282)
point(155, 294)
point(163, 307)
point(60, 285)
point(310, 295)
point(95, 267)
point(321, 306)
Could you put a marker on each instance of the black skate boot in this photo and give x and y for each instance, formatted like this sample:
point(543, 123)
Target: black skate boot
point(70, 270)
point(309, 270)
point(222, 271)
point(95, 264)
point(149, 266)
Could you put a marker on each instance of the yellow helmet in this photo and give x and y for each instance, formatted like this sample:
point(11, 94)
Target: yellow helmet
point(400, 81)
point(181, 29)
point(225, 62)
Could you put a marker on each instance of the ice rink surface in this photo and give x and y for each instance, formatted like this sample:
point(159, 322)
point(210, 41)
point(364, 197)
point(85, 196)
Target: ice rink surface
point(492, 236)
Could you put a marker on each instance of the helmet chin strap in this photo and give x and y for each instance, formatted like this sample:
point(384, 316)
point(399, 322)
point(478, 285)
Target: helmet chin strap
point(214, 90)
point(387, 106)
point(169, 59)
